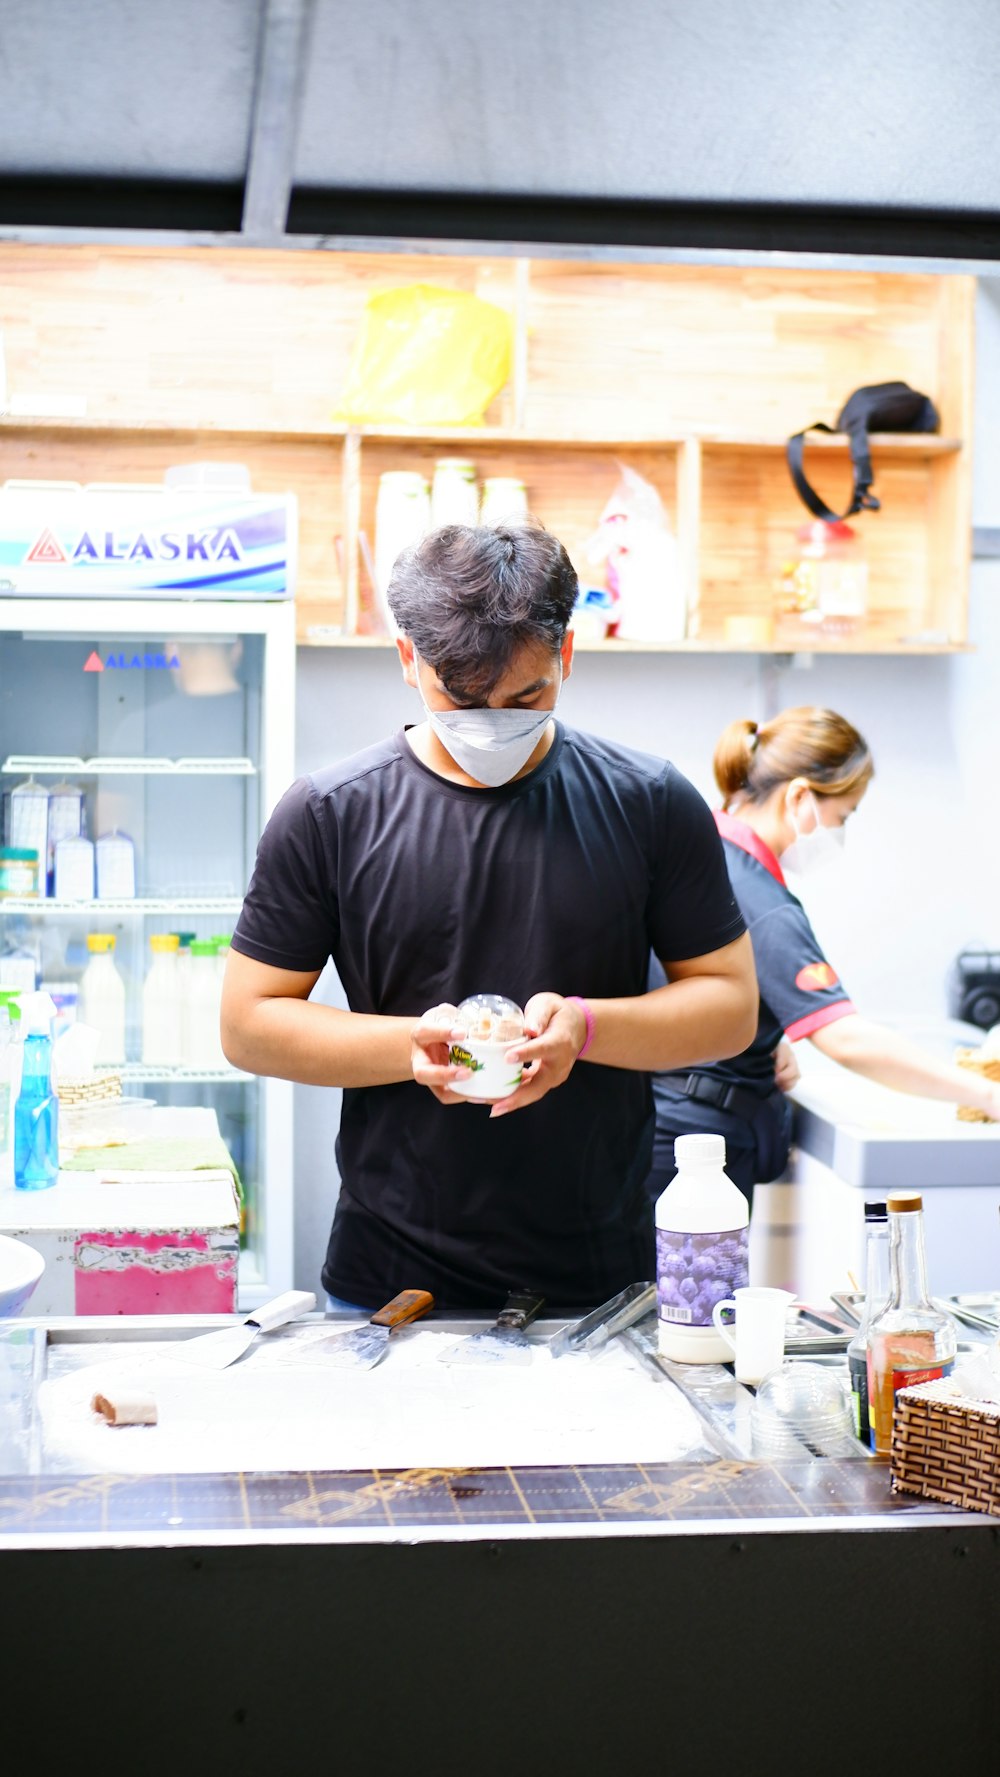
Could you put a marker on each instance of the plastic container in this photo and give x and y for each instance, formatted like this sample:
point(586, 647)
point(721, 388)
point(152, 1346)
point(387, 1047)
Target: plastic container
point(825, 584)
point(29, 823)
point(910, 1340)
point(102, 998)
point(18, 870)
point(115, 867)
point(73, 872)
point(454, 492)
point(161, 1005)
point(702, 1231)
point(65, 822)
point(402, 517)
point(504, 500)
point(490, 1024)
point(36, 1114)
point(801, 1410)
point(203, 1046)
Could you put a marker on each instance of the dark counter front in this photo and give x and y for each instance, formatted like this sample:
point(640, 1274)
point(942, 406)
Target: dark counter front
point(531, 1621)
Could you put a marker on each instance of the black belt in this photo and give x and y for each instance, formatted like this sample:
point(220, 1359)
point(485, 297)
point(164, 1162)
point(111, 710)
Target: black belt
point(724, 1097)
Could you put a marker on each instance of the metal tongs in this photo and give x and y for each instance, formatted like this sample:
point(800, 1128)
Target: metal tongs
point(601, 1324)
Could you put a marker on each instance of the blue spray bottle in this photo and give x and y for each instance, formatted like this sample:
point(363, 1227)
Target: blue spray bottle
point(36, 1113)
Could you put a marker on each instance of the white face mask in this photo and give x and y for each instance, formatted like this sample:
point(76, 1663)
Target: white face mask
point(810, 851)
point(488, 745)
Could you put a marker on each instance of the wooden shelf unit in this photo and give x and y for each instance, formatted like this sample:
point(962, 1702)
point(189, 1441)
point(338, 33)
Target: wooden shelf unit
point(694, 376)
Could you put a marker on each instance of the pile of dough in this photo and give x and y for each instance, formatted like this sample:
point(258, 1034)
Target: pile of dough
point(127, 1406)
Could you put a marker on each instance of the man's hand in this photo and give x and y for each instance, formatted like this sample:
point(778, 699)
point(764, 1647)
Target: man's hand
point(555, 1031)
point(430, 1045)
point(786, 1068)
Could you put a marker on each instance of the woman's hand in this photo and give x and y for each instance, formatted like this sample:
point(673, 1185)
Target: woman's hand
point(430, 1046)
point(555, 1031)
point(786, 1068)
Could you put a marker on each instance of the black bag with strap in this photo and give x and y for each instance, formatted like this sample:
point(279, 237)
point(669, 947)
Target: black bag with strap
point(878, 407)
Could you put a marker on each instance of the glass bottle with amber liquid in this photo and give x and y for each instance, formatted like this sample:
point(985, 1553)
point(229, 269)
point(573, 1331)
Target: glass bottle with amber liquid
point(910, 1340)
point(876, 1297)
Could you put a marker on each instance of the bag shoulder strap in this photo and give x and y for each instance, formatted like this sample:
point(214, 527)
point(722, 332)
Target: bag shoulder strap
point(861, 498)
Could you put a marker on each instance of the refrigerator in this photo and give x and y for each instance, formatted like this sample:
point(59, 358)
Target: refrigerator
point(147, 659)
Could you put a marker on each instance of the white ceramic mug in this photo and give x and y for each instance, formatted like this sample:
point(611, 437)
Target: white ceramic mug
point(757, 1341)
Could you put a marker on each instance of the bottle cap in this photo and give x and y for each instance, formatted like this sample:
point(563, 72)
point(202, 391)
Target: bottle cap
point(163, 942)
point(201, 947)
point(185, 939)
point(875, 1212)
point(904, 1202)
point(100, 943)
point(700, 1149)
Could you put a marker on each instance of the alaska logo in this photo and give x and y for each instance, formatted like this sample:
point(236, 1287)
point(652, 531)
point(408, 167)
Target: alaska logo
point(147, 663)
point(46, 548)
point(815, 976)
point(217, 544)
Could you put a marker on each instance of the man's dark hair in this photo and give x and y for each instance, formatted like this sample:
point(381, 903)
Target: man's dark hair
point(470, 596)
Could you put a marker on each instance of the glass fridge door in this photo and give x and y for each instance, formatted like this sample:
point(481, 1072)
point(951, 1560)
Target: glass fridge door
point(170, 725)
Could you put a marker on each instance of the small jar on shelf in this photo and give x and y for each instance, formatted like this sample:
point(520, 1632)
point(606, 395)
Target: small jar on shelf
point(824, 585)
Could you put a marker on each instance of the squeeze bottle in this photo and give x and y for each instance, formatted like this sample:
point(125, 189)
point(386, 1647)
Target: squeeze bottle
point(36, 1114)
point(702, 1233)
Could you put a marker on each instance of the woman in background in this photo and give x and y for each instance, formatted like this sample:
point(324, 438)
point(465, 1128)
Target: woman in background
point(788, 789)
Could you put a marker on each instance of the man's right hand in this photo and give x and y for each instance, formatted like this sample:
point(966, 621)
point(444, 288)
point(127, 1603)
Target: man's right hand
point(430, 1044)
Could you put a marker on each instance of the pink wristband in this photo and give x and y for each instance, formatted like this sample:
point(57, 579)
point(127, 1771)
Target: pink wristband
point(574, 999)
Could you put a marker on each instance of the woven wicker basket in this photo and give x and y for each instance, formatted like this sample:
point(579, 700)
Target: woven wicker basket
point(99, 1090)
point(946, 1447)
point(988, 1068)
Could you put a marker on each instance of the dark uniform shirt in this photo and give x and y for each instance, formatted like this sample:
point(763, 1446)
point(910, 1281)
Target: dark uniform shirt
point(424, 891)
point(799, 992)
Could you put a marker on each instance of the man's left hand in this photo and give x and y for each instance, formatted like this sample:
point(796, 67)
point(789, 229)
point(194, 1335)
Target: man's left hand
point(555, 1032)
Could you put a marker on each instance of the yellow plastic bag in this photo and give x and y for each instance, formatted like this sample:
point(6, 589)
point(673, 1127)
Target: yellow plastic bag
point(427, 357)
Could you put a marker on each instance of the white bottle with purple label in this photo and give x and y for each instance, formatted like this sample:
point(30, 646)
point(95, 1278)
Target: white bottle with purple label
point(702, 1233)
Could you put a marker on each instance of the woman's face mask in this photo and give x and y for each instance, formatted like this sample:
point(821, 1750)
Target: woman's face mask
point(488, 745)
point(810, 851)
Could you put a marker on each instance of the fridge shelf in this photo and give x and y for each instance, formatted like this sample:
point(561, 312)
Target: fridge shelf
point(135, 1071)
point(139, 907)
point(68, 765)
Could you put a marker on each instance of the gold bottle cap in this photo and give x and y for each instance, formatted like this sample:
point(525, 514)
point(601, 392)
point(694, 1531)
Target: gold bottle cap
point(902, 1202)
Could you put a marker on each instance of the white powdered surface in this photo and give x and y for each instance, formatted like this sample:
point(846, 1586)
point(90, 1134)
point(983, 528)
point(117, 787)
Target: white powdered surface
point(282, 1407)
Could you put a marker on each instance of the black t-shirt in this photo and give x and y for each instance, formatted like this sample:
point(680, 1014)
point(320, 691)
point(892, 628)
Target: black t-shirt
point(424, 891)
point(799, 990)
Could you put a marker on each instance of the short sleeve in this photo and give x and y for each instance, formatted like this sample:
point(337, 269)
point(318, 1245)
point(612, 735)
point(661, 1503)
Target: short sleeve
point(289, 916)
point(801, 988)
point(692, 908)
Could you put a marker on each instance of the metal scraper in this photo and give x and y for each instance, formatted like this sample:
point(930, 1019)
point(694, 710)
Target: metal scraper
point(503, 1343)
point(363, 1347)
point(596, 1328)
point(215, 1351)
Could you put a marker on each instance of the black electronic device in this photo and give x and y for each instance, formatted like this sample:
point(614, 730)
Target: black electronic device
point(974, 988)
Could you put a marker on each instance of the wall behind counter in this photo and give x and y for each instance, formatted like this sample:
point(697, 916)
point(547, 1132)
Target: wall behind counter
point(920, 875)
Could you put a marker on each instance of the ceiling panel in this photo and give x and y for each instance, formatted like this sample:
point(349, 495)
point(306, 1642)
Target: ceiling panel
point(146, 89)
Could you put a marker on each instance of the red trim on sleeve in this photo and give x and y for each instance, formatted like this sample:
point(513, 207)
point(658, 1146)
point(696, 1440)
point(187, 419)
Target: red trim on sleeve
point(804, 1027)
point(749, 841)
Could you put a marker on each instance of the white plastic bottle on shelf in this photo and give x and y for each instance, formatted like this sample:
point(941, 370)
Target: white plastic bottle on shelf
point(204, 1045)
point(702, 1229)
point(102, 998)
point(161, 1006)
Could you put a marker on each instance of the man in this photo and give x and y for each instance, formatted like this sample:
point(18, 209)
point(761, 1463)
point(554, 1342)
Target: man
point(489, 849)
